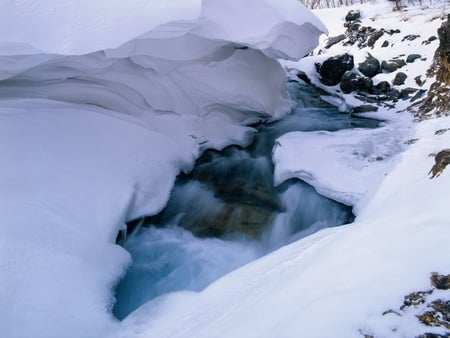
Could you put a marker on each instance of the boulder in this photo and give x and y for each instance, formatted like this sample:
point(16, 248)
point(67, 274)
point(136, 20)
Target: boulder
point(353, 15)
point(365, 108)
point(332, 69)
point(352, 81)
point(334, 40)
point(392, 65)
point(441, 282)
point(413, 57)
point(370, 66)
point(374, 38)
point(383, 87)
point(410, 37)
point(399, 79)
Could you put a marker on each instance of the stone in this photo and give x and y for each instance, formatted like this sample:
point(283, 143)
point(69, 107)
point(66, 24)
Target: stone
point(441, 282)
point(434, 335)
point(352, 81)
point(392, 65)
point(438, 315)
point(413, 57)
point(441, 160)
point(410, 37)
point(385, 44)
point(374, 38)
point(365, 108)
point(418, 95)
point(352, 26)
point(419, 80)
point(399, 79)
point(406, 93)
point(353, 15)
point(370, 66)
point(415, 298)
point(332, 69)
point(302, 76)
point(334, 40)
point(383, 87)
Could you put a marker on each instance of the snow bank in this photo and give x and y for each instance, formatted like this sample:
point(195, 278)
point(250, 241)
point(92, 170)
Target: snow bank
point(346, 165)
point(102, 104)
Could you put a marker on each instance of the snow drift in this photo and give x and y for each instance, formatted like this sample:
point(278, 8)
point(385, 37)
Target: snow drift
point(101, 105)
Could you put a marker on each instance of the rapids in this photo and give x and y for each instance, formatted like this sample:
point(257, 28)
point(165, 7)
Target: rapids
point(227, 211)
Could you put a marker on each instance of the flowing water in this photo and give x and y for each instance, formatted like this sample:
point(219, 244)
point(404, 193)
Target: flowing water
point(227, 211)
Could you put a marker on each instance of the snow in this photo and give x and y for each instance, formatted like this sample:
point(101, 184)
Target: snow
point(95, 126)
point(337, 282)
point(102, 105)
point(346, 165)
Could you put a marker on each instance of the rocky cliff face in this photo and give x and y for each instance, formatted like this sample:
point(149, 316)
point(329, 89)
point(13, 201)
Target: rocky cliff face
point(437, 102)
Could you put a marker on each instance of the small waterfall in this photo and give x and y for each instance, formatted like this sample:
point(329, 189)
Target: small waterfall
point(227, 212)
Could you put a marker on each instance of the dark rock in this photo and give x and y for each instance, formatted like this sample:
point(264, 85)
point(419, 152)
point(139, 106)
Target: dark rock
point(302, 76)
point(440, 282)
point(429, 40)
point(365, 108)
point(352, 81)
point(413, 57)
point(370, 66)
point(410, 37)
point(317, 66)
point(334, 40)
point(392, 65)
point(393, 31)
point(394, 94)
point(332, 70)
point(353, 15)
point(383, 87)
point(419, 80)
point(438, 315)
point(399, 79)
point(374, 38)
point(385, 44)
point(434, 335)
point(352, 26)
point(441, 160)
point(406, 93)
point(411, 141)
point(415, 298)
point(420, 94)
point(440, 132)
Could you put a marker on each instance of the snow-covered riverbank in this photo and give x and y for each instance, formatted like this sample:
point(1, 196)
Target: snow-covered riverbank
point(339, 282)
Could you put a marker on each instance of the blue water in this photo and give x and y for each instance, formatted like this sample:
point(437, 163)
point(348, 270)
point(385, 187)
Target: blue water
point(237, 183)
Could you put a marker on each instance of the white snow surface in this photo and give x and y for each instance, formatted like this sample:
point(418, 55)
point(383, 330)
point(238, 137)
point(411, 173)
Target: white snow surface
point(102, 105)
point(345, 165)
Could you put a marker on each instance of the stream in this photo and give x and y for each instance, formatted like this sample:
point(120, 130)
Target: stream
point(227, 211)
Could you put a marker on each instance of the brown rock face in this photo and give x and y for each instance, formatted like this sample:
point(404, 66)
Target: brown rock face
point(440, 282)
point(437, 101)
point(441, 160)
